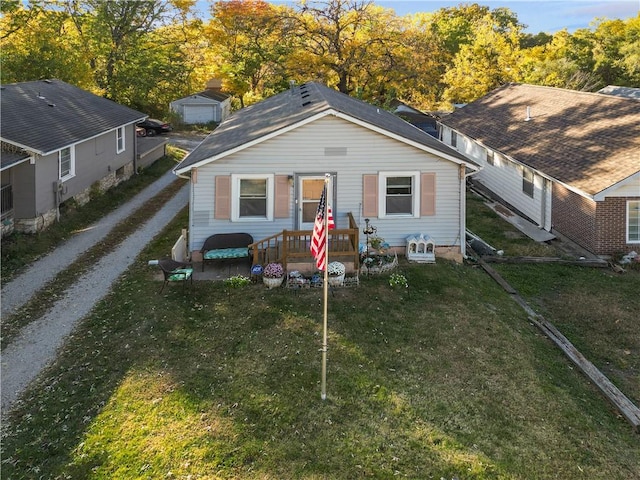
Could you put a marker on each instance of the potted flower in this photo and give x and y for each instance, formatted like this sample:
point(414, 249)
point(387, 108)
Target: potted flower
point(377, 243)
point(336, 271)
point(273, 275)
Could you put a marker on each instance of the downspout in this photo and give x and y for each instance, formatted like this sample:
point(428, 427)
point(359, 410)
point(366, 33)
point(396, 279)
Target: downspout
point(463, 211)
point(135, 150)
point(462, 175)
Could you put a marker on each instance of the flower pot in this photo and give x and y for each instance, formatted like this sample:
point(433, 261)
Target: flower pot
point(336, 280)
point(272, 282)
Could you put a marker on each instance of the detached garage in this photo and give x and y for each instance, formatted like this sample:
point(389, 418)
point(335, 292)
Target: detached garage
point(210, 105)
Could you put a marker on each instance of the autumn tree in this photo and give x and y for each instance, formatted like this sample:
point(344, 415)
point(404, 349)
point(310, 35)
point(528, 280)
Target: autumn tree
point(251, 41)
point(343, 42)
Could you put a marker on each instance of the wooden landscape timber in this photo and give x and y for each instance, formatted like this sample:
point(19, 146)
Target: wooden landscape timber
point(618, 399)
point(587, 262)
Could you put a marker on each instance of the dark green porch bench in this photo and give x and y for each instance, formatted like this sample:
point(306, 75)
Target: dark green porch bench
point(225, 246)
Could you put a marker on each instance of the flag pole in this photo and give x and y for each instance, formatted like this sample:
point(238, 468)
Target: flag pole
point(323, 388)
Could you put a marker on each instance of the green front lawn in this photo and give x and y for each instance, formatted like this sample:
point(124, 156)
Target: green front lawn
point(446, 379)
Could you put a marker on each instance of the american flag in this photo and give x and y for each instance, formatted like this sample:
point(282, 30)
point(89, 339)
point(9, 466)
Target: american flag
point(319, 238)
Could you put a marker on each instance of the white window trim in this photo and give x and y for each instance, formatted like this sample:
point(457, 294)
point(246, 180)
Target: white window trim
point(382, 194)
point(72, 166)
point(629, 202)
point(120, 131)
point(235, 195)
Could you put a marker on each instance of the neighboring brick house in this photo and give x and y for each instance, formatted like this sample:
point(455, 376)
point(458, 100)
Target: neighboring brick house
point(568, 161)
point(58, 142)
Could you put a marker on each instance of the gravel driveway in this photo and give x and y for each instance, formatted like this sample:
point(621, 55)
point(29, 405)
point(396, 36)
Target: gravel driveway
point(37, 344)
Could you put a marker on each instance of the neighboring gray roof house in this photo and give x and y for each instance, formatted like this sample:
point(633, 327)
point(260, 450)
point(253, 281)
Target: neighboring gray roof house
point(424, 121)
point(57, 141)
point(567, 160)
point(261, 172)
point(628, 92)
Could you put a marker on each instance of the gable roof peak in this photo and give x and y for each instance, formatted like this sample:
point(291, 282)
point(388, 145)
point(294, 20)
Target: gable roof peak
point(296, 105)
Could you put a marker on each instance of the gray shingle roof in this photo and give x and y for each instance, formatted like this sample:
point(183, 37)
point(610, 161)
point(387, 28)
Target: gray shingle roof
point(590, 141)
point(8, 158)
point(295, 105)
point(214, 95)
point(47, 115)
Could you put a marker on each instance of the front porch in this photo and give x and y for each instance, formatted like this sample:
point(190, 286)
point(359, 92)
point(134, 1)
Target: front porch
point(291, 248)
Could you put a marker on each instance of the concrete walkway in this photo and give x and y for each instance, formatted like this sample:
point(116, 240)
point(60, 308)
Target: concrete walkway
point(18, 292)
point(37, 344)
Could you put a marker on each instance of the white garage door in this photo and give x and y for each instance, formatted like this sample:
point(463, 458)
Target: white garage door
point(198, 113)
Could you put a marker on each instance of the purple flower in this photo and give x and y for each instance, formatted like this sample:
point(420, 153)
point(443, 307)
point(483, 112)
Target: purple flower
point(273, 270)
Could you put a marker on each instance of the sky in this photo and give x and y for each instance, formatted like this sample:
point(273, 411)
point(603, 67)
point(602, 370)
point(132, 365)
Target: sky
point(547, 16)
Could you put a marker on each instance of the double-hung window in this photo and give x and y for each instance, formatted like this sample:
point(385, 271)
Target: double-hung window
point(399, 194)
point(454, 139)
point(66, 163)
point(120, 140)
point(527, 181)
point(633, 221)
point(253, 197)
point(490, 157)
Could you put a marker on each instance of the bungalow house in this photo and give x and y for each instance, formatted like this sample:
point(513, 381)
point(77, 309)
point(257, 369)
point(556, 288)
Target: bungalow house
point(210, 105)
point(568, 161)
point(58, 141)
point(262, 171)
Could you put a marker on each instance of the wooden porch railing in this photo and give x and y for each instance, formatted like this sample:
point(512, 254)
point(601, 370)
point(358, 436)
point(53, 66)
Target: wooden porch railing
point(291, 246)
point(6, 196)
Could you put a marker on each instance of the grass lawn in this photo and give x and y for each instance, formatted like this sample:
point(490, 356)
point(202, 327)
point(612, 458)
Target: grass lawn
point(446, 379)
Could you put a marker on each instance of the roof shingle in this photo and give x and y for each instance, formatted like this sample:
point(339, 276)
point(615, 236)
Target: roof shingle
point(47, 115)
point(586, 140)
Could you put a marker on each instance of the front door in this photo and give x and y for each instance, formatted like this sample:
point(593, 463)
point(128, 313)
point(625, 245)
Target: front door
point(309, 192)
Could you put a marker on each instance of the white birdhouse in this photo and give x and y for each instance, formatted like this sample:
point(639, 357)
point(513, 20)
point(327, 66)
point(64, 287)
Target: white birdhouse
point(421, 248)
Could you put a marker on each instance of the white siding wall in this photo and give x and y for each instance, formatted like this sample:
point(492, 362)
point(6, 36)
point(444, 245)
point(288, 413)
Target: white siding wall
point(303, 151)
point(504, 178)
point(629, 188)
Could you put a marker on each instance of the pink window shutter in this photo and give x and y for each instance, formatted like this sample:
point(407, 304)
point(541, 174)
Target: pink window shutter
point(428, 194)
point(222, 207)
point(281, 203)
point(370, 195)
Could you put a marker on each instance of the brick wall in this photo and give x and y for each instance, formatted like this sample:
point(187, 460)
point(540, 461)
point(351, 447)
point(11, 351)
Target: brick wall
point(574, 217)
point(611, 218)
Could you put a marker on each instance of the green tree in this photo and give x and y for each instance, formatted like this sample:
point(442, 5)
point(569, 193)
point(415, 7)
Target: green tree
point(488, 61)
point(629, 60)
point(41, 43)
point(552, 66)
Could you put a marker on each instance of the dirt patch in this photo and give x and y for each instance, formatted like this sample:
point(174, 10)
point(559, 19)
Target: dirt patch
point(503, 211)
